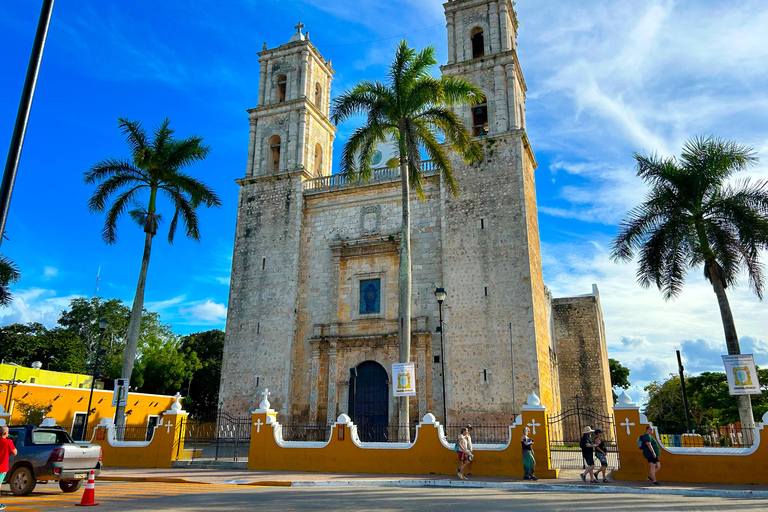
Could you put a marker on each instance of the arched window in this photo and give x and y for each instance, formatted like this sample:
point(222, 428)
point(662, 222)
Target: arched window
point(282, 80)
point(480, 118)
point(478, 42)
point(318, 95)
point(318, 160)
point(273, 164)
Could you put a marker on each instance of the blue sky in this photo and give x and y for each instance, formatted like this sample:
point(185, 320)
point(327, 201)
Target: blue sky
point(605, 78)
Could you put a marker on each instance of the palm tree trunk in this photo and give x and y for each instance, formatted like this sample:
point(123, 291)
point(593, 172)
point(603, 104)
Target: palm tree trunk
point(732, 343)
point(134, 326)
point(404, 290)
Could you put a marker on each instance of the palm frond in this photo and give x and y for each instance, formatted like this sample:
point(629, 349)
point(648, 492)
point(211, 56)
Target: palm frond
point(437, 154)
point(459, 91)
point(135, 135)
point(106, 168)
point(118, 208)
point(104, 191)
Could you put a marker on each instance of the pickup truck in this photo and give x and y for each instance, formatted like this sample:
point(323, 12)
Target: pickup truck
point(48, 453)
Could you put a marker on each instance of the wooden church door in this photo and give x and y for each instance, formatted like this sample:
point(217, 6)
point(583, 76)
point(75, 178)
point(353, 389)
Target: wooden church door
point(369, 401)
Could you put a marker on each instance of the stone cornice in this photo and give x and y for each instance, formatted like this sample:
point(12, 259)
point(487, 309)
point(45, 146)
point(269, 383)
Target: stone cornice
point(366, 246)
point(300, 172)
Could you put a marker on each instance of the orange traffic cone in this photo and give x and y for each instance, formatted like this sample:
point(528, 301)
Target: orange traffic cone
point(88, 494)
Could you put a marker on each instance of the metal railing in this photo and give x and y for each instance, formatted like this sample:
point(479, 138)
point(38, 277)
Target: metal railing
point(481, 434)
point(383, 174)
point(124, 433)
point(727, 436)
point(306, 432)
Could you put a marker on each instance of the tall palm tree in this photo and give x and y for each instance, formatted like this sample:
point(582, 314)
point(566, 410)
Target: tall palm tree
point(694, 217)
point(155, 166)
point(414, 109)
point(9, 274)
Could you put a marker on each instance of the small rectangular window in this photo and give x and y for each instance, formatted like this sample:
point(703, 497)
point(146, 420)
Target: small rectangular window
point(32, 380)
point(370, 296)
point(482, 223)
point(258, 381)
point(263, 263)
point(258, 327)
point(437, 359)
point(486, 291)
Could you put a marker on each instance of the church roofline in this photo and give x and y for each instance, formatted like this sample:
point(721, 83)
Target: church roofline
point(297, 47)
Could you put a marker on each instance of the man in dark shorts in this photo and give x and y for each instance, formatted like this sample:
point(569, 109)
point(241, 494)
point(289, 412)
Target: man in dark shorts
point(651, 453)
point(588, 453)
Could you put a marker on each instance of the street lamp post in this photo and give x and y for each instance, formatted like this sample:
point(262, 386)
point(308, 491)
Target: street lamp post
point(440, 295)
point(103, 324)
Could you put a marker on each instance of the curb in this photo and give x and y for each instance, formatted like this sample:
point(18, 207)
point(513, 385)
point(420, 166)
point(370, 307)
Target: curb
point(688, 492)
point(150, 479)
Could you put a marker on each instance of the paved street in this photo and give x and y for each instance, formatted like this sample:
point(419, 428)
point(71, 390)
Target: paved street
point(121, 496)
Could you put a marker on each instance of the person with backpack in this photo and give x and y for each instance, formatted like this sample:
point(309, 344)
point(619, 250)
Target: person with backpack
point(464, 454)
point(588, 453)
point(651, 452)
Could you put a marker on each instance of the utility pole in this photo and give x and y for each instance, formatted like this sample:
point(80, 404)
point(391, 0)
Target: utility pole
point(685, 396)
point(22, 117)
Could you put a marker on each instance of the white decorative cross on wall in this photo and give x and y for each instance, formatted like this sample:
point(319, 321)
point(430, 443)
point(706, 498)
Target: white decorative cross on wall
point(265, 393)
point(258, 425)
point(534, 425)
point(627, 424)
point(168, 426)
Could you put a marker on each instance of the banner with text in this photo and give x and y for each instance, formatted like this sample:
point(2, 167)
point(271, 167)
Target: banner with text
point(405, 379)
point(741, 374)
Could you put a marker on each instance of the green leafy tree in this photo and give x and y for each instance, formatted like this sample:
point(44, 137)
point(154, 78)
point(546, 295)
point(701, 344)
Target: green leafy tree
point(414, 109)
point(9, 274)
point(32, 413)
point(619, 376)
point(57, 349)
point(694, 217)
point(202, 394)
point(156, 167)
point(163, 366)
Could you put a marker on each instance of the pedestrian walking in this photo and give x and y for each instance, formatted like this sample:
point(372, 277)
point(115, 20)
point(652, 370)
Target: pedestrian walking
point(651, 453)
point(588, 453)
point(464, 453)
point(601, 454)
point(529, 462)
point(471, 450)
point(6, 450)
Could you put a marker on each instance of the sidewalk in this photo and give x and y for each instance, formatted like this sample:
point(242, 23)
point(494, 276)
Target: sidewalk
point(569, 482)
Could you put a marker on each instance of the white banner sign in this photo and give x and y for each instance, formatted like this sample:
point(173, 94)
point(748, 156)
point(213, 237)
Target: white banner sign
point(741, 374)
point(405, 379)
point(121, 393)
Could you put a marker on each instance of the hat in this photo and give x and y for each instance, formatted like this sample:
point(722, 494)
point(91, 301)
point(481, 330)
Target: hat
point(469, 426)
point(598, 431)
point(587, 430)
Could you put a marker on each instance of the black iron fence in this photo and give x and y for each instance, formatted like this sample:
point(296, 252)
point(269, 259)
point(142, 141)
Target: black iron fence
point(727, 436)
point(480, 434)
point(218, 436)
point(124, 433)
point(306, 432)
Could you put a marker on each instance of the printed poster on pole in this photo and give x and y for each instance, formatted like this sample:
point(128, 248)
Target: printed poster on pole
point(405, 379)
point(741, 374)
point(120, 395)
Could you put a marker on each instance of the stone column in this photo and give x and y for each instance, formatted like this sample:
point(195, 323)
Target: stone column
point(262, 83)
point(302, 137)
point(512, 96)
point(451, 39)
point(500, 91)
point(257, 168)
point(459, 37)
point(334, 287)
point(503, 31)
point(305, 72)
point(292, 142)
point(494, 28)
point(314, 383)
point(269, 92)
point(327, 100)
point(251, 148)
point(332, 378)
point(421, 362)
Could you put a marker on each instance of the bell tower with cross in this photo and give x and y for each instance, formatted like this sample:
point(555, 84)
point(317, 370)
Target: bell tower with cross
point(291, 141)
point(491, 231)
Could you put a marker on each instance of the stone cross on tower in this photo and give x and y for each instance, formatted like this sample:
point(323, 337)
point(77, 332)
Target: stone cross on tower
point(299, 27)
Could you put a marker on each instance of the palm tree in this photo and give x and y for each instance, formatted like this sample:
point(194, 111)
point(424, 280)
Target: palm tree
point(694, 217)
point(413, 109)
point(9, 274)
point(155, 166)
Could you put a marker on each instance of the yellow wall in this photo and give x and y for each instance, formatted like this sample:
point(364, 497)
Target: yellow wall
point(67, 400)
point(426, 456)
point(167, 445)
point(45, 377)
point(678, 467)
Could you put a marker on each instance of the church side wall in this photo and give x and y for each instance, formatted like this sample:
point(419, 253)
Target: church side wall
point(260, 317)
point(582, 353)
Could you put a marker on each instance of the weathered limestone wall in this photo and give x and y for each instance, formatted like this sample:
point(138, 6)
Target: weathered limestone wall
point(582, 352)
point(262, 296)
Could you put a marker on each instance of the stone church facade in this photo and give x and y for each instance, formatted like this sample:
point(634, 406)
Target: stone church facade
point(313, 299)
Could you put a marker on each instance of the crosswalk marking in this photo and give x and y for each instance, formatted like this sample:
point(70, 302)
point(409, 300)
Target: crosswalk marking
point(45, 496)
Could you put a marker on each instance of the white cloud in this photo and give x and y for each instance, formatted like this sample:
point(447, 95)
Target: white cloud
point(160, 306)
point(35, 305)
point(207, 311)
point(49, 272)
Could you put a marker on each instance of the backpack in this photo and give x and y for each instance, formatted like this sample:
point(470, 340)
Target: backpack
point(456, 447)
point(582, 442)
point(640, 443)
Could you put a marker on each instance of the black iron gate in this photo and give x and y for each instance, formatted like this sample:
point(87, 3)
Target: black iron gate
point(218, 436)
point(565, 431)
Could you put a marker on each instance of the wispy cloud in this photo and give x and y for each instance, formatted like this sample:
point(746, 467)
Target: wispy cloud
point(49, 272)
point(205, 312)
point(35, 305)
